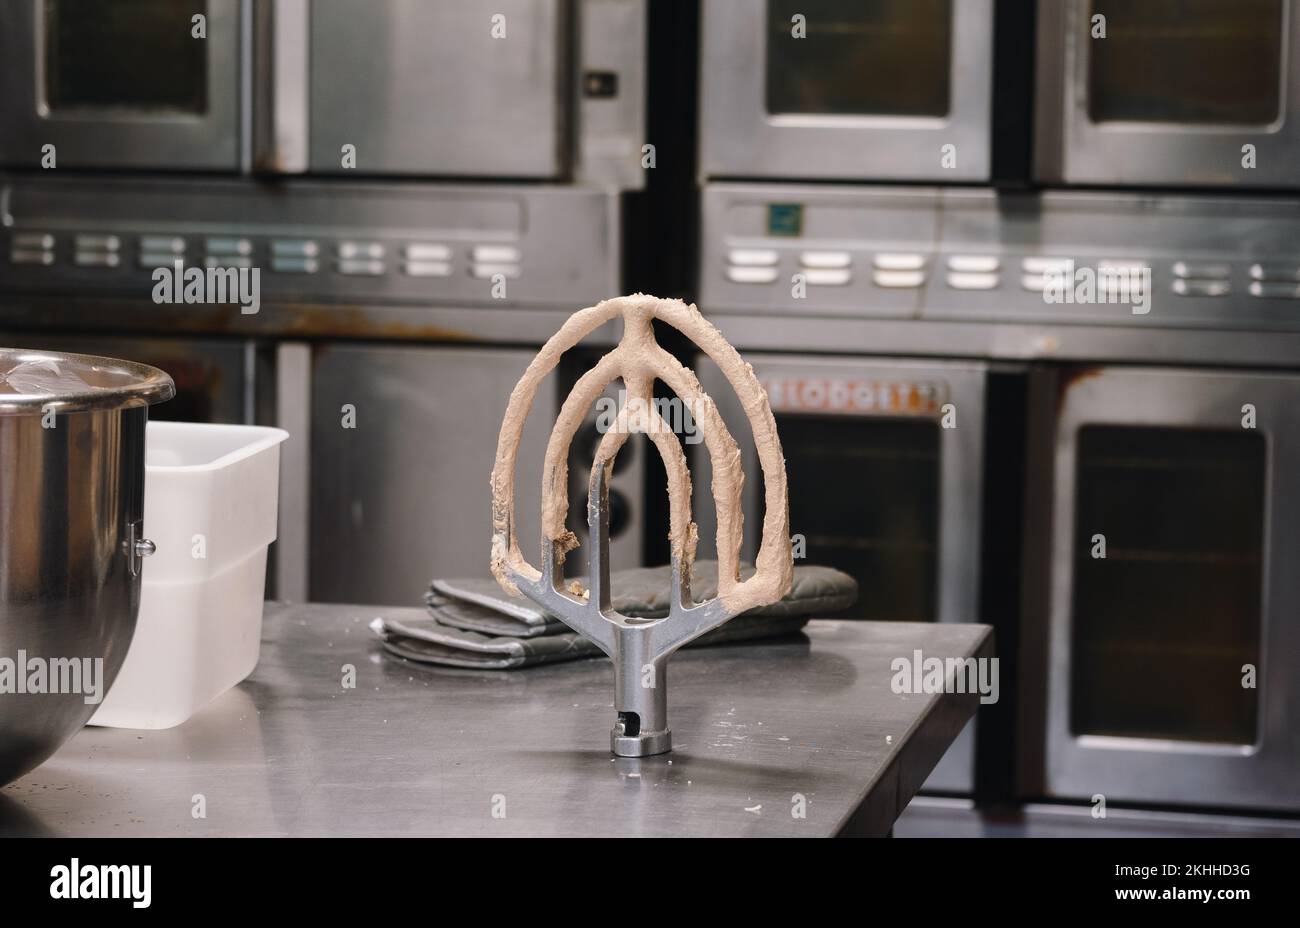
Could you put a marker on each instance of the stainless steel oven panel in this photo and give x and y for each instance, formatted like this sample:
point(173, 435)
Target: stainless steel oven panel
point(611, 118)
point(961, 451)
point(1071, 148)
point(823, 262)
point(739, 138)
point(122, 138)
point(390, 509)
point(1263, 774)
point(426, 89)
point(293, 414)
point(572, 106)
point(281, 70)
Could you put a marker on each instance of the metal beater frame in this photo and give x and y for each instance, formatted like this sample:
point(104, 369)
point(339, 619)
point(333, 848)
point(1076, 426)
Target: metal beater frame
point(640, 648)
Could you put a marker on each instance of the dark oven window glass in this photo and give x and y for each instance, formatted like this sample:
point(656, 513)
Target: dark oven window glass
point(862, 57)
point(1165, 622)
point(127, 54)
point(865, 495)
point(1186, 61)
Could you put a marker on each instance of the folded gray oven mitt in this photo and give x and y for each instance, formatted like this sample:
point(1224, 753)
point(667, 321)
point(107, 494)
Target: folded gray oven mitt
point(474, 623)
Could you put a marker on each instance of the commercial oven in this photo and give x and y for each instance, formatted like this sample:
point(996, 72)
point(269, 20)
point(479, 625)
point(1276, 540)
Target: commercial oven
point(835, 90)
point(1168, 93)
point(872, 282)
point(527, 89)
point(1160, 553)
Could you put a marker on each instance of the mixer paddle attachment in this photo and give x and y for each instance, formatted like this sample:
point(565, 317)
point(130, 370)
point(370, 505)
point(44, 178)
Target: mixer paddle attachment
point(639, 647)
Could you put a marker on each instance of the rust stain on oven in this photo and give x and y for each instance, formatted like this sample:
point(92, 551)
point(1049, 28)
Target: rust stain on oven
point(277, 319)
point(290, 320)
point(353, 322)
point(1071, 377)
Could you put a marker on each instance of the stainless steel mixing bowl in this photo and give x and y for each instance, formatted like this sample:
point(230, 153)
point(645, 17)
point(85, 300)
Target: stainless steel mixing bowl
point(71, 540)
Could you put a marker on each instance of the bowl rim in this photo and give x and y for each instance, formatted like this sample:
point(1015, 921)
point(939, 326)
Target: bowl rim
point(142, 385)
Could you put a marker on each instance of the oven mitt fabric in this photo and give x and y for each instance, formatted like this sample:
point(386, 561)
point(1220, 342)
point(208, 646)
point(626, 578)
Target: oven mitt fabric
point(427, 640)
point(643, 592)
point(476, 617)
point(473, 623)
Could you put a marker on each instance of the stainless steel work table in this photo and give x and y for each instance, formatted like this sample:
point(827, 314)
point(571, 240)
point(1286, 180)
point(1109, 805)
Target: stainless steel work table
point(761, 731)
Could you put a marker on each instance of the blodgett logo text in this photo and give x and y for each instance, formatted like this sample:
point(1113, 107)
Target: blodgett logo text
point(103, 881)
point(53, 675)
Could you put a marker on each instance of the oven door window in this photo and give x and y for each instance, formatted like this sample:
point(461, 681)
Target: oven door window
point(864, 493)
point(1186, 61)
point(128, 55)
point(860, 58)
point(1166, 622)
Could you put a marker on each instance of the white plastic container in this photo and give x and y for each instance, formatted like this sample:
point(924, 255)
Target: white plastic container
point(210, 506)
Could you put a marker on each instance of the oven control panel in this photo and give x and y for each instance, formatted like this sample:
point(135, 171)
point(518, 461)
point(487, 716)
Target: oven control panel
point(310, 241)
point(297, 255)
point(975, 255)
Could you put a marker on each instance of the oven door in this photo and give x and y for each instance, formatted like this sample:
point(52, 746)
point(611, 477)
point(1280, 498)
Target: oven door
point(399, 433)
point(529, 89)
point(395, 443)
point(1170, 662)
point(847, 89)
point(121, 85)
point(885, 465)
point(438, 88)
point(1172, 94)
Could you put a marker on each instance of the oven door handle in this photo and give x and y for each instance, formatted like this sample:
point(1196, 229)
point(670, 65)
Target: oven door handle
point(281, 56)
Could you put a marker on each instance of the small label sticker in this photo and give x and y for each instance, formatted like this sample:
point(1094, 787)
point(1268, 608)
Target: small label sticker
point(785, 219)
